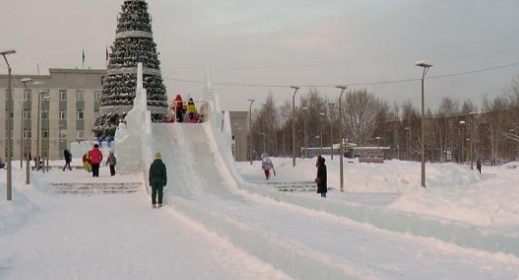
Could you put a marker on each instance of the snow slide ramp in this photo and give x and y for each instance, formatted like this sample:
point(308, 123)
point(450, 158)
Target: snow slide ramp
point(302, 243)
point(194, 188)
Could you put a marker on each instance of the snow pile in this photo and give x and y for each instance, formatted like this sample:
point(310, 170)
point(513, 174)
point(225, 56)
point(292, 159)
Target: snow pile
point(13, 213)
point(454, 192)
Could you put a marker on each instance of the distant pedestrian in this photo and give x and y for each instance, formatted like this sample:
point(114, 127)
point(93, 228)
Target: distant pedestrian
point(478, 165)
point(179, 108)
point(321, 179)
point(191, 108)
point(111, 161)
point(267, 164)
point(158, 179)
point(96, 157)
point(68, 158)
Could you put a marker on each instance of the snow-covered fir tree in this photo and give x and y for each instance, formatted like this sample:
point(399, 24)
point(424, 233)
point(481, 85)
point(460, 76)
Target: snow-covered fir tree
point(133, 44)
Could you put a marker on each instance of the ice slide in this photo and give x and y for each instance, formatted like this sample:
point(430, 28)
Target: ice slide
point(305, 244)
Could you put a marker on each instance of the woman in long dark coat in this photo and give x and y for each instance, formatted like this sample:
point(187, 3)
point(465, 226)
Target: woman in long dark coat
point(321, 179)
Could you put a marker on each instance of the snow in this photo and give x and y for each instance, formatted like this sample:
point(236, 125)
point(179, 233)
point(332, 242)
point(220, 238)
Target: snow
point(222, 221)
point(48, 236)
point(454, 192)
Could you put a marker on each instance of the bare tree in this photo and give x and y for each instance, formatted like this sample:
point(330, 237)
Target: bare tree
point(360, 115)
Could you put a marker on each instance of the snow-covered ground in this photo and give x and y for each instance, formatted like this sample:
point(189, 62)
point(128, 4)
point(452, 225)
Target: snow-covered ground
point(212, 228)
point(44, 235)
point(454, 192)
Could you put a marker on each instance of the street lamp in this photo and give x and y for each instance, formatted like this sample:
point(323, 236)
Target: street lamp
point(250, 130)
point(27, 164)
point(321, 129)
point(9, 119)
point(462, 124)
point(425, 65)
point(294, 125)
point(305, 137)
point(341, 151)
point(408, 128)
point(331, 127)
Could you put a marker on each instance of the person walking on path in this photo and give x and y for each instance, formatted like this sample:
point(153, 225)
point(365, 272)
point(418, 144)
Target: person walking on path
point(478, 165)
point(96, 157)
point(68, 158)
point(158, 179)
point(111, 161)
point(321, 177)
point(267, 164)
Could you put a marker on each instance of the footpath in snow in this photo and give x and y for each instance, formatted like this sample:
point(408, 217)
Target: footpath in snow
point(44, 235)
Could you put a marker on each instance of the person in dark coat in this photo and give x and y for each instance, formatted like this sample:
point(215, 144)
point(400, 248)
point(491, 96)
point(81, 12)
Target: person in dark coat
point(321, 179)
point(111, 161)
point(478, 165)
point(68, 158)
point(158, 179)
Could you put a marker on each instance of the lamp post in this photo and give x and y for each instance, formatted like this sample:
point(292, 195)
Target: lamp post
point(426, 66)
point(250, 130)
point(294, 125)
point(331, 127)
point(263, 127)
point(305, 136)
point(408, 128)
point(321, 129)
point(27, 164)
point(341, 150)
point(9, 119)
point(462, 124)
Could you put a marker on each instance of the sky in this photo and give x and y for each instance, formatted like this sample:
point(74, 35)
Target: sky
point(273, 44)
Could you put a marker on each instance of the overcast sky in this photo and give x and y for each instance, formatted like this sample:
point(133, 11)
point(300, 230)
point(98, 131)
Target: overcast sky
point(285, 42)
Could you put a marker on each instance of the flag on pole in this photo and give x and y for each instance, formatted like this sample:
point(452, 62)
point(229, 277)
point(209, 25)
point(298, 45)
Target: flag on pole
point(83, 58)
point(106, 56)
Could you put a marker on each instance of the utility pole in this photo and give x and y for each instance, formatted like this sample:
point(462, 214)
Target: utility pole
point(250, 130)
point(331, 128)
point(294, 125)
point(426, 66)
point(341, 142)
point(9, 126)
point(28, 162)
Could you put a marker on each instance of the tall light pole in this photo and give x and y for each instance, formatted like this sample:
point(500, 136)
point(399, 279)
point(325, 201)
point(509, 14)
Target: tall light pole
point(331, 127)
point(321, 129)
point(462, 124)
point(306, 135)
point(294, 125)
point(250, 130)
point(9, 119)
point(28, 163)
point(426, 66)
point(341, 149)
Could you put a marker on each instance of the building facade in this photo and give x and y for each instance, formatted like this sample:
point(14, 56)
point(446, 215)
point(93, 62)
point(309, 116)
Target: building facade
point(240, 134)
point(67, 101)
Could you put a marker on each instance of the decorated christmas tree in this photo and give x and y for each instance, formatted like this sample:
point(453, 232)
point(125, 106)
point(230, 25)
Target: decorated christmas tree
point(133, 44)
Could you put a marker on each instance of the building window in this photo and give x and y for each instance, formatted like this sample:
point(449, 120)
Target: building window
point(45, 115)
point(80, 114)
point(80, 95)
point(27, 134)
point(62, 115)
point(26, 114)
point(97, 95)
point(27, 94)
point(45, 95)
point(63, 95)
point(80, 135)
point(62, 134)
point(45, 134)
